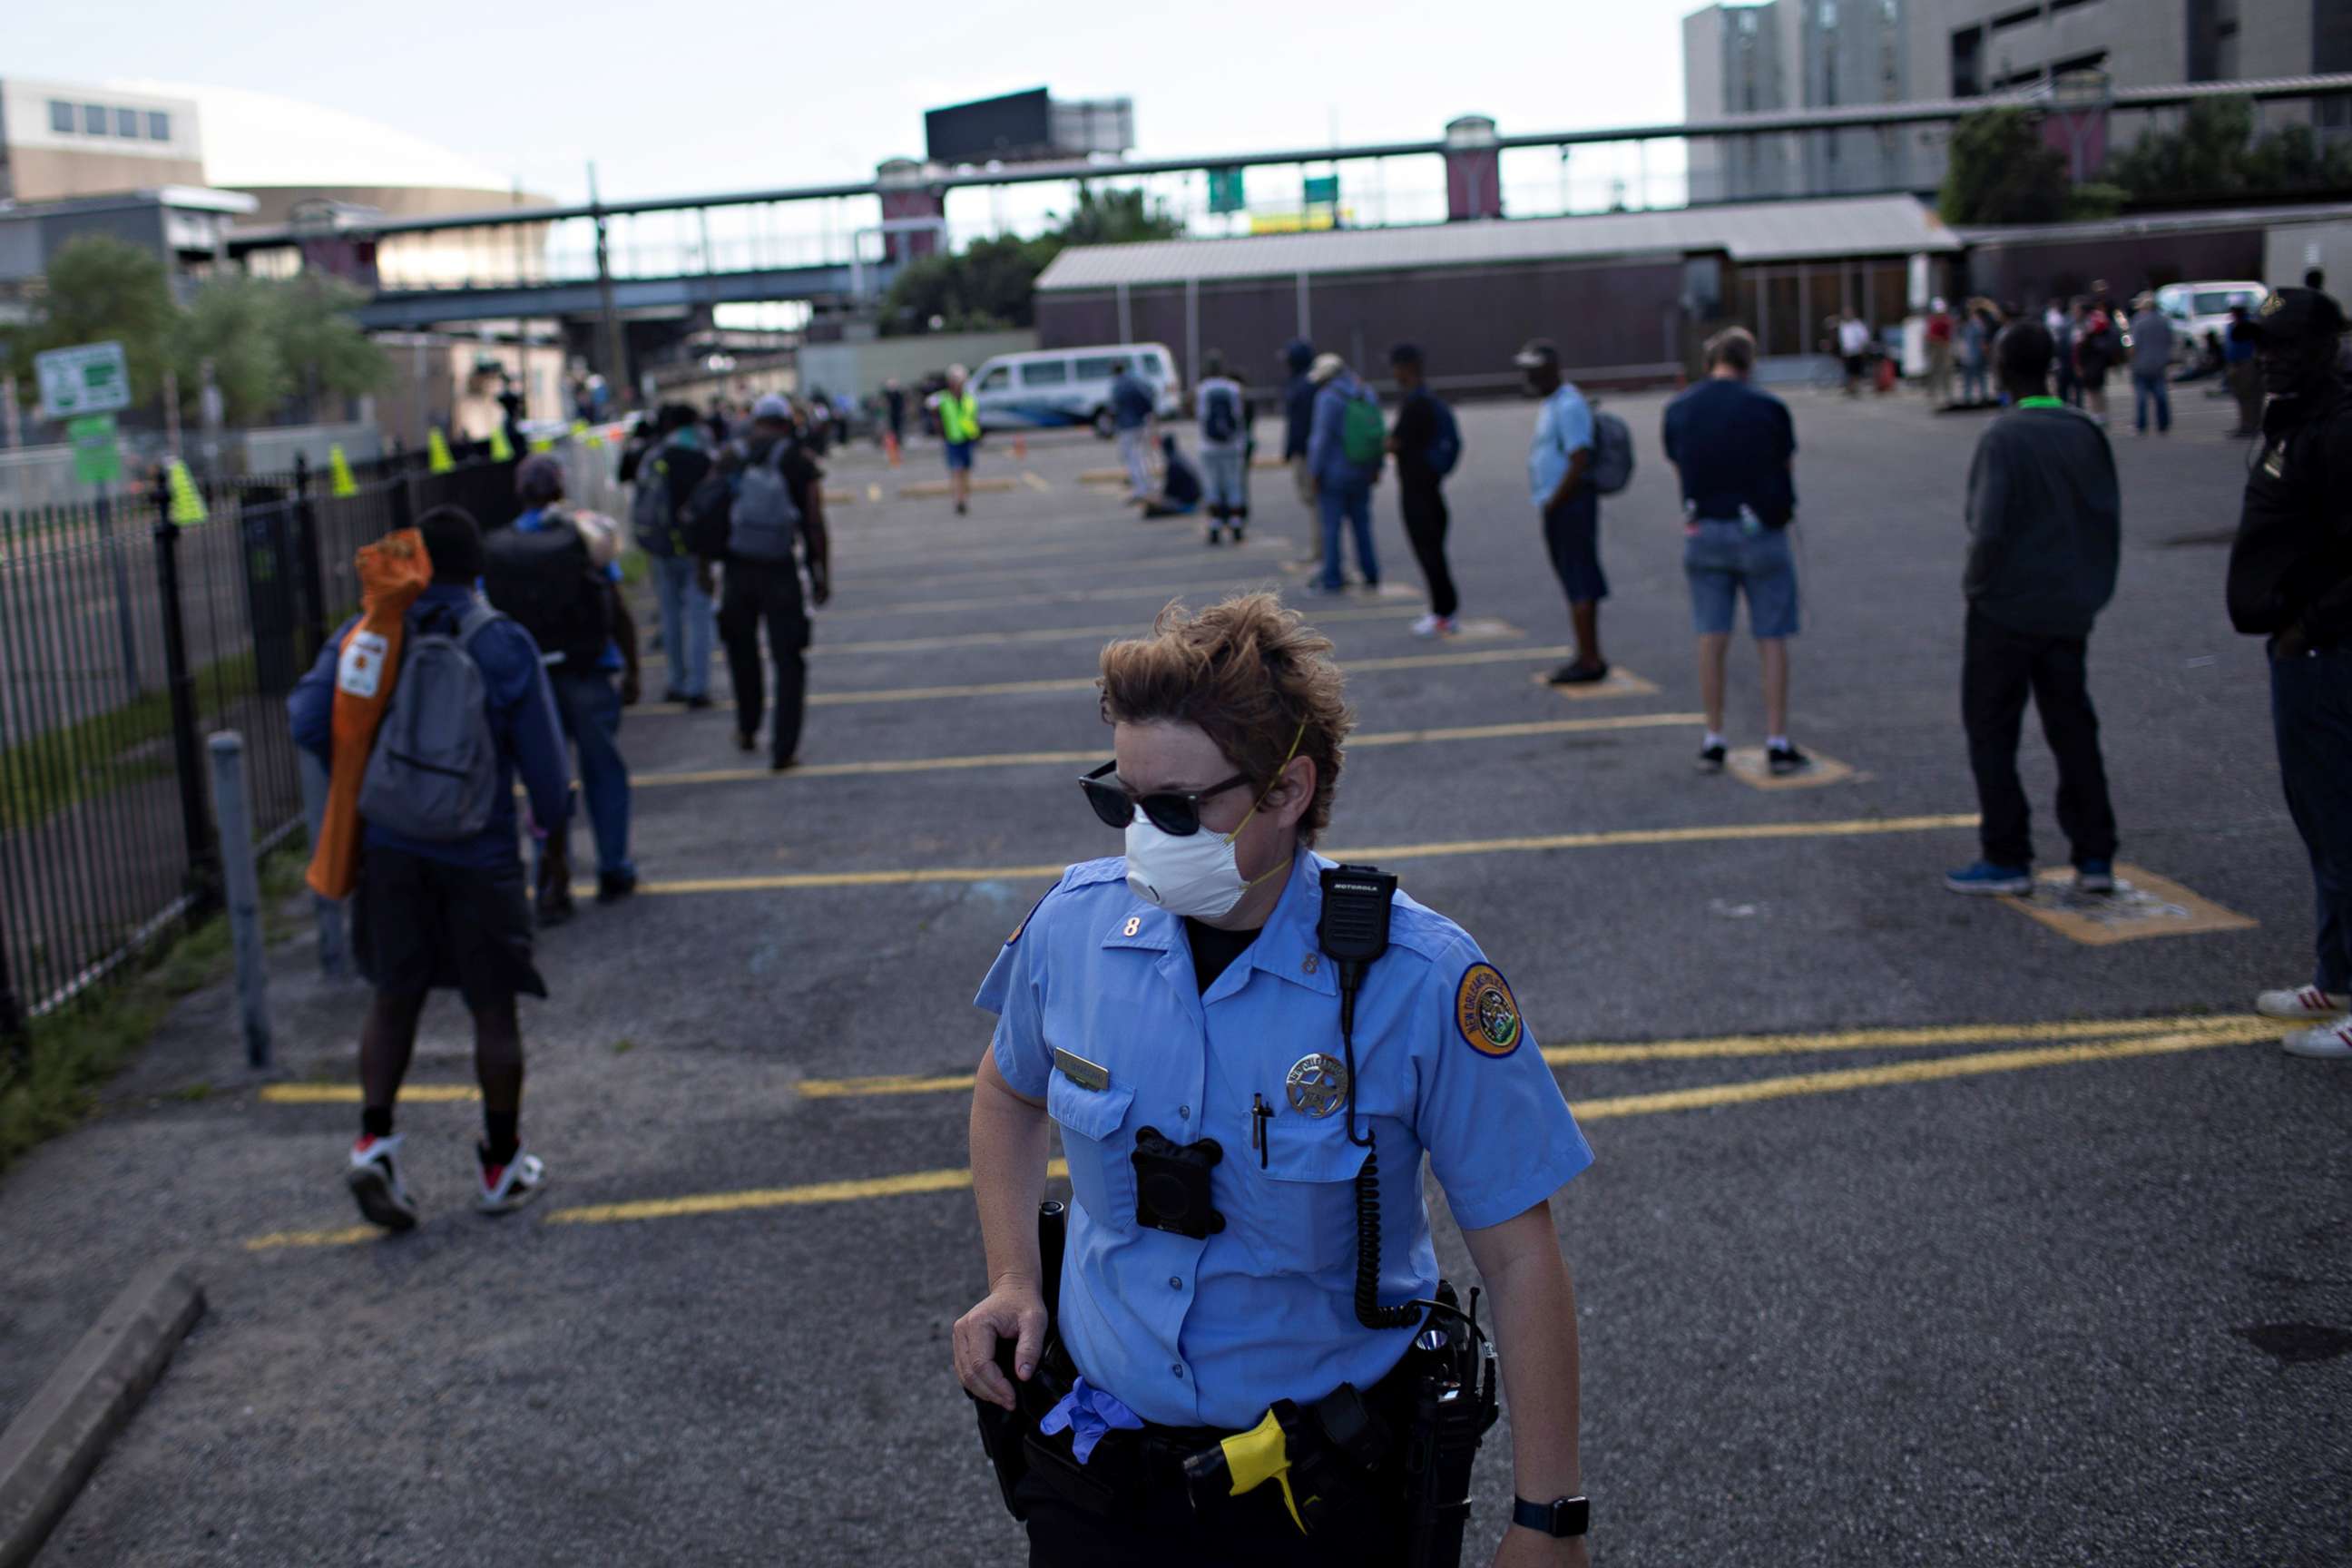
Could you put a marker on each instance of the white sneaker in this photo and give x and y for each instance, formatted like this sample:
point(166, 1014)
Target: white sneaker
point(2331, 1042)
point(505, 1188)
point(373, 1177)
point(1434, 626)
point(2305, 1004)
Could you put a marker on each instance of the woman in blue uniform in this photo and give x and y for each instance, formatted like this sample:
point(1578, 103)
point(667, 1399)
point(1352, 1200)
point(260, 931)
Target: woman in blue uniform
point(1173, 1011)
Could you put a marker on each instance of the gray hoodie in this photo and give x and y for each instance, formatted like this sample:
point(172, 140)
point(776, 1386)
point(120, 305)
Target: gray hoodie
point(2045, 522)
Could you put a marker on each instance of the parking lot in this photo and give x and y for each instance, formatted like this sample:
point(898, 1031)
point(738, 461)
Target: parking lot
point(1922, 1230)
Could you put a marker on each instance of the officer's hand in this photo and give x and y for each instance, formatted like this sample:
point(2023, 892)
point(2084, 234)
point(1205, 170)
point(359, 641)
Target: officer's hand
point(821, 585)
point(1014, 1311)
point(1526, 1549)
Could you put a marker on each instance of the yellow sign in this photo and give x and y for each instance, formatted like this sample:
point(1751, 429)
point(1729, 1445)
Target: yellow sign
point(437, 450)
point(187, 501)
point(1313, 220)
point(502, 449)
point(339, 481)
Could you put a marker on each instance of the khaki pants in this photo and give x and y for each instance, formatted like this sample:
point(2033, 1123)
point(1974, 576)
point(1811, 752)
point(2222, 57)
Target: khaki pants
point(2246, 383)
point(1305, 481)
point(1939, 374)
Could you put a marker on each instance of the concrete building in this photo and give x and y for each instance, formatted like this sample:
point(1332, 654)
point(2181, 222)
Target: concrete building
point(62, 140)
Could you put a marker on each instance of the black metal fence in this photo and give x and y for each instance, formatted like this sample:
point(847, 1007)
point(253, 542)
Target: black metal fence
point(124, 637)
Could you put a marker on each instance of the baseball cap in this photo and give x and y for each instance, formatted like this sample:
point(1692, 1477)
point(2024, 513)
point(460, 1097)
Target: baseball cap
point(771, 406)
point(2296, 315)
point(1538, 351)
point(1326, 367)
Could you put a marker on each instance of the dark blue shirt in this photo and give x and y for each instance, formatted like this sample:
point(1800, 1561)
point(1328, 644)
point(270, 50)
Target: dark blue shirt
point(1732, 444)
point(1131, 401)
point(522, 720)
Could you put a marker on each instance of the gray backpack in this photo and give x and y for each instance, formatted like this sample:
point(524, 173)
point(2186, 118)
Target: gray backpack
point(764, 519)
point(434, 774)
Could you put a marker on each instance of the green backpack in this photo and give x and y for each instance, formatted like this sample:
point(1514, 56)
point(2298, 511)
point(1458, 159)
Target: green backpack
point(1363, 434)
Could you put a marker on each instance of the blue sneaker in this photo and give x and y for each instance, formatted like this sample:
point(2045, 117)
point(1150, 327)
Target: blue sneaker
point(2094, 875)
point(1988, 880)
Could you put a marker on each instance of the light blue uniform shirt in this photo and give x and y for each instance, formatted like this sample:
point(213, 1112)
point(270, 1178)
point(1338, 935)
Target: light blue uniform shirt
point(1564, 428)
point(1208, 1332)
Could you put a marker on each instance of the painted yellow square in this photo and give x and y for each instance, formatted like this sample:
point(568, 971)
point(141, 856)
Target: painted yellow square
point(1747, 765)
point(2142, 904)
point(1619, 682)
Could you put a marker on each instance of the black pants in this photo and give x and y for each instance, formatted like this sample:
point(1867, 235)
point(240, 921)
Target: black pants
point(1424, 525)
point(1998, 670)
point(1250, 1531)
point(757, 592)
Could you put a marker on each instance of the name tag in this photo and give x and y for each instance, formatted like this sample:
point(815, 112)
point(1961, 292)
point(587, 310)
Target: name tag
point(359, 670)
point(1082, 1072)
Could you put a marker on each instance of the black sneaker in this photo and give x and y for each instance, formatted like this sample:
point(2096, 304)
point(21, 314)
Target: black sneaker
point(1711, 758)
point(1782, 760)
point(696, 704)
point(554, 908)
point(1577, 674)
point(1212, 534)
point(673, 695)
point(612, 886)
point(744, 742)
point(784, 765)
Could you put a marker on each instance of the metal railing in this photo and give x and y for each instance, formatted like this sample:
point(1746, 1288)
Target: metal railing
point(123, 637)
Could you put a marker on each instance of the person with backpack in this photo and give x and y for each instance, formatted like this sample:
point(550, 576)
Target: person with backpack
point(1345, 448)
point(774, 494)
point(1223, 412)
point(2098, 348)
point(1427, 443)
point(1733, 446)
point(1562, 484)
point(441, 903)
point(541, 571)
point(666, 477)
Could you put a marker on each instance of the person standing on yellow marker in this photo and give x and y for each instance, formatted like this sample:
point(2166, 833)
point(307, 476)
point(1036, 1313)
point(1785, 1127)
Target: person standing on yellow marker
point(959, 429)
point(1248, 1050)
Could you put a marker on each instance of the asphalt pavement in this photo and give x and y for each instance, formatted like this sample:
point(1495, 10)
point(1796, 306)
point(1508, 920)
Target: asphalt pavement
point(1921, 1232)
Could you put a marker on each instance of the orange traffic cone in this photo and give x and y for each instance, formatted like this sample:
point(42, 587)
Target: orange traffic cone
point(1020, 448)
point(890, 447)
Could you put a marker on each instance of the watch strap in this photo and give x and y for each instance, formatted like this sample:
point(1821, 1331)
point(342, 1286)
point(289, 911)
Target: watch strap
point(1561, 1518)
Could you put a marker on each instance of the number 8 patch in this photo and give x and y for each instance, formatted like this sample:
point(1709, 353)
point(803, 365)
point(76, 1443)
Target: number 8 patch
point(1486, 1011)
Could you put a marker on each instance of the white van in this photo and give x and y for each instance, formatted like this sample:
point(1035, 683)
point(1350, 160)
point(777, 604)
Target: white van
point(1054, 387)
point(2196, 309)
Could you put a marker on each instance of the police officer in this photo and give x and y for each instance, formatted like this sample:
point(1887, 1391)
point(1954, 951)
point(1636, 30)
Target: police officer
point(2291, 583)
point(1177, 998)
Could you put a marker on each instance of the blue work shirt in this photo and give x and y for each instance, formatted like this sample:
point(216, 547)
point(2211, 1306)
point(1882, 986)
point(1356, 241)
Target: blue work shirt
point(1326, 438)
point(535, 518)
point(522, 720)
point(1564, 428)
point(1132, 401)
point(1211, 1331)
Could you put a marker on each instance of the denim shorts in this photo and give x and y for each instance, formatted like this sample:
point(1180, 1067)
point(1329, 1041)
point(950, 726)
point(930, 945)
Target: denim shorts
point(1721, 558)
point(958, 456)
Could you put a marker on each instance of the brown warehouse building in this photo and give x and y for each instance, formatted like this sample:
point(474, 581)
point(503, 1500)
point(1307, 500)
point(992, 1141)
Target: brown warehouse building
point(1627, 295)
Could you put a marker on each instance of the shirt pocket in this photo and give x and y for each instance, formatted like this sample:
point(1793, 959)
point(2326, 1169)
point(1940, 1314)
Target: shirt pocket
point(1101, 1177)
point(1297, 1214)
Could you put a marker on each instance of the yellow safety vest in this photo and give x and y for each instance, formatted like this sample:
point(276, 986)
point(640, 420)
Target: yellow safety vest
point(959, 418)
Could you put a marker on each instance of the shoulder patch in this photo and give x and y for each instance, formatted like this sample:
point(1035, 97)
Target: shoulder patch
point(1027, 918)
point(1486, 1013)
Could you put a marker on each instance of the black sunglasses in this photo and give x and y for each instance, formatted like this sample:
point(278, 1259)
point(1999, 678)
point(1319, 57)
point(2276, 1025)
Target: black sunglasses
point(1176, 815)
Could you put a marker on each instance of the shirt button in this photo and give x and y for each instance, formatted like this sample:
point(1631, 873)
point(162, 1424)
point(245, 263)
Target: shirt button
point(1175, 1282)
point(1176, 1369)
point(1184, 1113)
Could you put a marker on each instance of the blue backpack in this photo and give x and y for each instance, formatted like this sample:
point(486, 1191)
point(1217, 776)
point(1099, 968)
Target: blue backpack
point(1444, 446)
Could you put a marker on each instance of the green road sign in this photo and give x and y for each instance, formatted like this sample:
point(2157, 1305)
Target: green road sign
point(1226, 190)
point(87, 379)
point(1323, 191)
point(97, 459)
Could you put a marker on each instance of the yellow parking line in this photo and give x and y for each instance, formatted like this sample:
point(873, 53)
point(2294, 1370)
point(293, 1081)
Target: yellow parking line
point(349, 1094)
point(1035, 480)
point(1060, 633)
point(1707, 1097)
point(1041, 759)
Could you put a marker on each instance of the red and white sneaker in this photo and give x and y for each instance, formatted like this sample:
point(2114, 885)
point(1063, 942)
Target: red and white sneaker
point(2329, 1042)
point(2304, 1005)
point(373, 1177)
point(505, 1188)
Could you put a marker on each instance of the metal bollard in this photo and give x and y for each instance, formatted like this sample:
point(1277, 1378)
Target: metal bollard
point(334, 950)
point(241, 884)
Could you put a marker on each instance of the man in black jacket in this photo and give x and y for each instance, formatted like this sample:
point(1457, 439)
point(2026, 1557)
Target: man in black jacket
point(2291, 582)
point(2045, 541)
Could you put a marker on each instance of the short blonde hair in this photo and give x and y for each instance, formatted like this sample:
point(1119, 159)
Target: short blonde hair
point(1252, 677)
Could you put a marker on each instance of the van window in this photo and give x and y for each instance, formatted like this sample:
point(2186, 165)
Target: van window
point(1096, 367)
point(1155, 366)
point(1046, 372)
point(995, 380)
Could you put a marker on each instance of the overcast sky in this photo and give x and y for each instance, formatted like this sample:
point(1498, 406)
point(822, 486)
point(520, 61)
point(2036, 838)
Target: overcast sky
point(700, 96)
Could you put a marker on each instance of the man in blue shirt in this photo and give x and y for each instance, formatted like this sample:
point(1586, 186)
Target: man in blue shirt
point(1344, 475)
point(1133, 407)
point(1560, 463)
point(589, 699)
point(1179, 996)
point(449, 916)
point(1733, 446)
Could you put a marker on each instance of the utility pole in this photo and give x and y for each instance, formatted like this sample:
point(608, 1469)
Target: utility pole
point(616, 369)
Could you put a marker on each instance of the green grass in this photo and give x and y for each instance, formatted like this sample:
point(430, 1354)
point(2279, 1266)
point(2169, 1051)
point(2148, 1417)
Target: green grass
point(108, 752)
point(76, 1049)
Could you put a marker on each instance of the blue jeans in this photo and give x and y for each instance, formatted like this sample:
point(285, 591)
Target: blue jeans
point(1724, 559)
point(590, 705)
point(1353, 501)
point(2147, 389)
point(1972, 382)
point(686, 625)
point(2311, 709)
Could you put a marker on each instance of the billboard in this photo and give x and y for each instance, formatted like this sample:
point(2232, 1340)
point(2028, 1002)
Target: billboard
point(1018, 125)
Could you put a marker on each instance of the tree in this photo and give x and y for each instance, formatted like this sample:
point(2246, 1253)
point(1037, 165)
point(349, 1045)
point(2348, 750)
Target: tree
point(1117, 218)
point(2000, 172)
point(101, 290)
point(2215, 153)
point(228, 323)
point(991, 284)
point(326, 354)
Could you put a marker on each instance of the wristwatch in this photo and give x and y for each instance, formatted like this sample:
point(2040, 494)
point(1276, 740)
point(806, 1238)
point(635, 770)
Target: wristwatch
point(1561, 1518)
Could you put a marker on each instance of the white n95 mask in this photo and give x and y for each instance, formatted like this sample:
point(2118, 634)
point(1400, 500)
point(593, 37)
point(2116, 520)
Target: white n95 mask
point(1197, 874)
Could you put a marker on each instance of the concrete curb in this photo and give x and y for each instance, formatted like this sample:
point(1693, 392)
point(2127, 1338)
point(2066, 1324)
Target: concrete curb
point(49, 1450)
